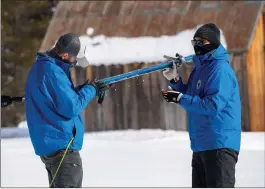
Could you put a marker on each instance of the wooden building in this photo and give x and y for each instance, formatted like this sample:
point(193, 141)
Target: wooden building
point(137, 103)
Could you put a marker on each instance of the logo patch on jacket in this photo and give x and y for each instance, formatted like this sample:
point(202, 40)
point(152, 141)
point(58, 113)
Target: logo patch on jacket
point(199, 83)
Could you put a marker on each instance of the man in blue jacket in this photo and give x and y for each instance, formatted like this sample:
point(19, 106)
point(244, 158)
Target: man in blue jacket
point(53, 107)
point(211, 98)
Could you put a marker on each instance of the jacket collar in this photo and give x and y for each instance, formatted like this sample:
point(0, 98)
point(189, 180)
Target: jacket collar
point(46, 57)
point(217, 54)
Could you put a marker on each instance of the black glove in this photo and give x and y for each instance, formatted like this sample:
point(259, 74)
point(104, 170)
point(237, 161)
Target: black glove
point(178, 55)
point(78, 87)
point(98, 86)
point(101, 89)
point(101, 97)
point(87, 82)
point(18, 99)
point(6, 101)
point(171, 96)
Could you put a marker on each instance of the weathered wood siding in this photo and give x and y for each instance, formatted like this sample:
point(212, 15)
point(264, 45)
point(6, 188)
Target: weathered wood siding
point(137, 103)
point(131, 104)
point(256, 81)
point(238, 63)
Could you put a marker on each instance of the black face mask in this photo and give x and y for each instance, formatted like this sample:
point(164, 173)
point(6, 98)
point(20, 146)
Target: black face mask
point(204, 49)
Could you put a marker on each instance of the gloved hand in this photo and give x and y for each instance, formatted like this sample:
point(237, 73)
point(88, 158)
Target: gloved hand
point(87, 82)
point(18, 99)
point(181, 58)
point(171, 96)
point(98, 86)
point(172, 73)
point(5, 101)
point(78, 87)
point(101, 89)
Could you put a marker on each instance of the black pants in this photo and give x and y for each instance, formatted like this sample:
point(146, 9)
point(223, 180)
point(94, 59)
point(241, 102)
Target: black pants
point(70, 174)
point(214, 168)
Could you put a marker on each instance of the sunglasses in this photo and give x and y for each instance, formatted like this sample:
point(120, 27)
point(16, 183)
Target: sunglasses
point(198, 42)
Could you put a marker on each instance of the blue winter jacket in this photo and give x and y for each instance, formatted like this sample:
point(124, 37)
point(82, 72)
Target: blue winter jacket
point(53, 106)
point(211, 98)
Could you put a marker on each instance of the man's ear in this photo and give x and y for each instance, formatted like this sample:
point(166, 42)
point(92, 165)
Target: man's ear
point(65, 56)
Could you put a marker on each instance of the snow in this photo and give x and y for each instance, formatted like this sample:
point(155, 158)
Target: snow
point(90, 31)
point(131, 158)
point(23, 124)
point(13, 132)
point(121, 50)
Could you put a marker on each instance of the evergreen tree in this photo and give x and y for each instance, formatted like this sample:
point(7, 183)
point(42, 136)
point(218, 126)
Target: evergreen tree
point(23, 27)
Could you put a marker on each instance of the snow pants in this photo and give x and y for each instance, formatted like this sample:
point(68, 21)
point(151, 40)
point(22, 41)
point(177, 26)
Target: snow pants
point(70, 174)
point(214, 168)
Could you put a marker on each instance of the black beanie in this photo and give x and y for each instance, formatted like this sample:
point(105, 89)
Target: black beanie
point(209, 32)
point(69, 43)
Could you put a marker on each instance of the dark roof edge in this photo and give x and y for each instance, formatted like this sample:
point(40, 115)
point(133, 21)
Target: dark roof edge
point(254, 26)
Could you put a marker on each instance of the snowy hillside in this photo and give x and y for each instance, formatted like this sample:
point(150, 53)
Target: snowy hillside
point(145, 158)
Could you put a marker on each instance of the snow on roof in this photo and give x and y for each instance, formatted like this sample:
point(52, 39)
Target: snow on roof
point(121, 50)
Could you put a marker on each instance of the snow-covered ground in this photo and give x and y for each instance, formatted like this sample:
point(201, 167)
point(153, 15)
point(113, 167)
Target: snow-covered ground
point(144, 158)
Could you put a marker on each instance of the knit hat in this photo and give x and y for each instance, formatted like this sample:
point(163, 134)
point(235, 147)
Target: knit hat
point(69, 43)
point(209, 32)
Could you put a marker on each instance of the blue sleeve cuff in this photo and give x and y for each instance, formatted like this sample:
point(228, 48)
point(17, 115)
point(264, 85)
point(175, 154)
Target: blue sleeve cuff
point(185, 101)
point(173, 84)
point(88, 90)
point(178, 86)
